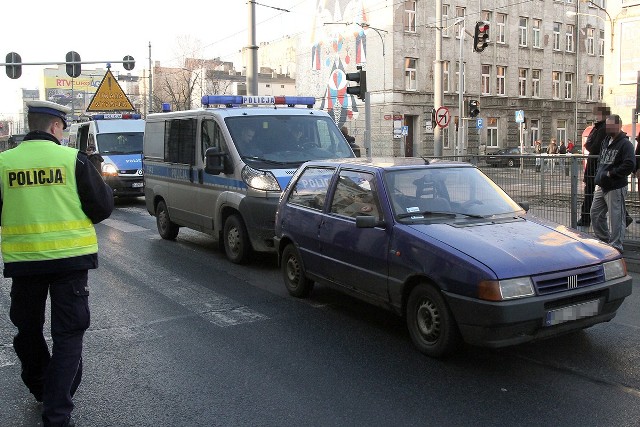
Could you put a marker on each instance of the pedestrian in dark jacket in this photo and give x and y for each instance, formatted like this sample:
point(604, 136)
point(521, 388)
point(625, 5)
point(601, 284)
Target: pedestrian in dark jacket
point(592, 145)
point(51, 197)
point(615, 163)
point(351, 140)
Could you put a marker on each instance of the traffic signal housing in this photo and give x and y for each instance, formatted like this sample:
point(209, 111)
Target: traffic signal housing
point(474, 108)
point(359, 77)
point(481, 36)
point(13, 71)
point(73, 70)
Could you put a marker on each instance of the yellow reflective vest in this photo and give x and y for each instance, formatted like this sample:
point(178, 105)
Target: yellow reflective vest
point(42, 217)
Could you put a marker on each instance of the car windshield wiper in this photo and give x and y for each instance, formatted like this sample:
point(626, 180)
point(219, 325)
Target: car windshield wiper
point(272, 162)
point(438, 213)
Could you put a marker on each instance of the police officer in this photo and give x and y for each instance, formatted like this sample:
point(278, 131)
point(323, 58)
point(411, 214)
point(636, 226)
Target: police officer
point(51, 197)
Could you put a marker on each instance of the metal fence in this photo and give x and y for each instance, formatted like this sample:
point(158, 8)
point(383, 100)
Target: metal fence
point(552, 185)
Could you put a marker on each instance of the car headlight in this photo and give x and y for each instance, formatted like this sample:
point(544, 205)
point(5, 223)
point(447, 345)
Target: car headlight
point(109, 169)
point(260, 180)
point(614, 269)
point(500, 290)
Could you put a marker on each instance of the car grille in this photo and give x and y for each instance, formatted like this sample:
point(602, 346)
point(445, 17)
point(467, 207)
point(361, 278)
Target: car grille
point(567, 280)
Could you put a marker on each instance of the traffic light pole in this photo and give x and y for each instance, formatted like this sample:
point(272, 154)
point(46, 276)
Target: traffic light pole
point(461, 122)
point(438, 93)
point(367, 123)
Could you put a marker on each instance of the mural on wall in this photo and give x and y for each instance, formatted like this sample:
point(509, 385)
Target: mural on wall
point(339, 44)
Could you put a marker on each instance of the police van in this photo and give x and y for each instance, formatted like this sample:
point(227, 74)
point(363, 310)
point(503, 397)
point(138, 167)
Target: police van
point(118, 139)
point(221, 169)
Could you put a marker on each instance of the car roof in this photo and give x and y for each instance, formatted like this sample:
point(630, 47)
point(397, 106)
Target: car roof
point(388, 163)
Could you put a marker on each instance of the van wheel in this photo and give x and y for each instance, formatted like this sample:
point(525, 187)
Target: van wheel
point(236, 240)
point(295, 280)
point(168, 230)
point(431, 325)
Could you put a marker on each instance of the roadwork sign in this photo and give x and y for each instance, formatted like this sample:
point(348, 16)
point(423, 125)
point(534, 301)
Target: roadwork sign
point(109, 96)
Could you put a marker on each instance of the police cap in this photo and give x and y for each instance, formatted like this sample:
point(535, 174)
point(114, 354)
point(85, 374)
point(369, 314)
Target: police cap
point(50, 108)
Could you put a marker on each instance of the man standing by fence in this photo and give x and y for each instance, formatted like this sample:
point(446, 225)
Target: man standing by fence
point(615, 163)
point(594, 141)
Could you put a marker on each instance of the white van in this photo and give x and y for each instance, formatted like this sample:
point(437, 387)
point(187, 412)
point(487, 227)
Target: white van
point(221, 170)
point(118, 139)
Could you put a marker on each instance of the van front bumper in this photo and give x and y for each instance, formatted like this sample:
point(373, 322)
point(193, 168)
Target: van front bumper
point(125, 185)
point(259, 215)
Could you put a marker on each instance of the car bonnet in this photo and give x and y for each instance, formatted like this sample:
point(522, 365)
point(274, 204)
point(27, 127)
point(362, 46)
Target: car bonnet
point(521, 247)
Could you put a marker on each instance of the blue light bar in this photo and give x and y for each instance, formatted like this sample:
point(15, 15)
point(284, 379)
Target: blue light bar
point(230, 100)
point(115, 116)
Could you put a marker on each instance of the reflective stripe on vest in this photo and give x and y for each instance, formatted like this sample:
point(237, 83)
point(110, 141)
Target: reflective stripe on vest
point(42, 217)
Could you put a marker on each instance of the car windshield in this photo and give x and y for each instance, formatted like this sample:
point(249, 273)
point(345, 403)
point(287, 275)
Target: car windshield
point(287, 139)
point(425, 193)
point(120, 143)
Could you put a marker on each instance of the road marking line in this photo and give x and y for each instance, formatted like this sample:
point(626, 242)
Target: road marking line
point(122, 225)
point(7, 356)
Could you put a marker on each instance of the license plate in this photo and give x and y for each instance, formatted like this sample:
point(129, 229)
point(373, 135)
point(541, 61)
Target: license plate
point(572, 312)
point(137, 184)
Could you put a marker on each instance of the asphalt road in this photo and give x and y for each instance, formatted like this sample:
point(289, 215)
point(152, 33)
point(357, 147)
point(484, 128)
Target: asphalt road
point(182, 337)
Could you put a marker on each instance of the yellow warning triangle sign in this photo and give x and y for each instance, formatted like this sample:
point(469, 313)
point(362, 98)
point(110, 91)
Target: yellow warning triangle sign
point(109, 96)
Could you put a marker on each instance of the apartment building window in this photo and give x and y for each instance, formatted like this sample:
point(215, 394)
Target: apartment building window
point(600, 87)
point(459, 14)
point(568, 85)
point(445, 137)
point(524, 31)
point(569, 38)
point(501, 23)
point(555, 84)
point(501, 73)
point(601, 42)
point(534, 131)
point(446, 85)
point(410, 73)
point(492, 132)
point(590, 87)
point(486, 15)
point(561, 131)
point(535, 83)
point(522, 82)
point(410, 16)
point(590, 41)
point(445, 20)
point(537, 34)
point(458, 77)
point(486, 79)
point(556, 36)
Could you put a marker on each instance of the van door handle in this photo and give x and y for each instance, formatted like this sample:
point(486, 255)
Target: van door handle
point(200, 176)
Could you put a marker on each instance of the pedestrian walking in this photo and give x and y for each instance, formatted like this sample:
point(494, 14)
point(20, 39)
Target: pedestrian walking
point(615, 163)
point(351, 140)
point(592, 146)
point(51, 197)
point(637, 168)
point(537, 150)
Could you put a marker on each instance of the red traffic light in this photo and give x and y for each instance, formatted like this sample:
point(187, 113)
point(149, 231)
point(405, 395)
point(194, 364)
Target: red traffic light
point(481, 36)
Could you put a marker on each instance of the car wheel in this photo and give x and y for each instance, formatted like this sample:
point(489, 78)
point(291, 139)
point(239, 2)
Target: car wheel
point(295, 280)
point(431, 325)
point(236, 240)
point(168, 230)
point(511, 163)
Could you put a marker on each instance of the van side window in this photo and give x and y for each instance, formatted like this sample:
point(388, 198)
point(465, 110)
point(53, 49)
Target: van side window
point(180, 141)
point(211, 136)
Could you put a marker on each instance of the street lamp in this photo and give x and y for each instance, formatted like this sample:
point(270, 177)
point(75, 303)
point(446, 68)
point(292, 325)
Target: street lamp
point(611, 20)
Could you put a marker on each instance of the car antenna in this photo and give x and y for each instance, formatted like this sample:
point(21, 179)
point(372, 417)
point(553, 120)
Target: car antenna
point(426, 161)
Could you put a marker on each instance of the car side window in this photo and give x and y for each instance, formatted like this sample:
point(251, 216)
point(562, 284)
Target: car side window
point(355, 195)
point(310, 190)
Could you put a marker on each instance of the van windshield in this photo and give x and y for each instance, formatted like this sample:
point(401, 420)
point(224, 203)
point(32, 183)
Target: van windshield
point(120, 143)
point(288, 139)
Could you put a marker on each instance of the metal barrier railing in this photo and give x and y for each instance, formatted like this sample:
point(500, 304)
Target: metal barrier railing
point(551, 184)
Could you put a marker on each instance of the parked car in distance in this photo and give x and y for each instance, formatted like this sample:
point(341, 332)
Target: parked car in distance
point(442, 245)
point(509, 156)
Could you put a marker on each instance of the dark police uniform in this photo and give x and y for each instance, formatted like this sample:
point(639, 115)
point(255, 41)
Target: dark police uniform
point(51, 197)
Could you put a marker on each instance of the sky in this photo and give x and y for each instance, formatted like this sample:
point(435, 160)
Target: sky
point(42, 31)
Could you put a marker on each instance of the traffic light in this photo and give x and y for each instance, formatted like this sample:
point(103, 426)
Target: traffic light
point(73, 70)
point(481, 36)
point(474, 108)
point(13, 71)
point(361, 78)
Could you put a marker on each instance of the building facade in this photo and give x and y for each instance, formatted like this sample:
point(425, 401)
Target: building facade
point(544, 58)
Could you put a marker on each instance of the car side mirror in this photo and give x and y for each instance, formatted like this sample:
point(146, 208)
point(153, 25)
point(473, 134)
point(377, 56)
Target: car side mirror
point(216, 162)
point(524, 205)
point(367, 221)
